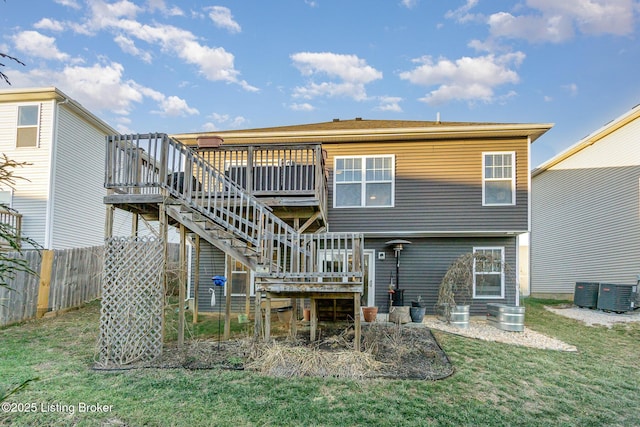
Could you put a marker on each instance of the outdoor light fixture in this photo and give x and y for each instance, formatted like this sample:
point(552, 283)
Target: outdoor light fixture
point(398, 246)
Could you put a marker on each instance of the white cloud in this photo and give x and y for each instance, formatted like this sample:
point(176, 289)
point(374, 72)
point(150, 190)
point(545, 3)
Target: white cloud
point(222, 18)
point(128, 46)
point(389, 103)
point(557, 21)
point(226, 120)
point(49, 24)
point(469, 79)
point(175, 107)
point(554, 29)
point(462, 14)
point(101, 87)
point(38, 45)
point(305, 106)
point(571, 88)
point(409, 4)
point(162, 7)
point(69, 3)
point(351, 72)
point(214, 63)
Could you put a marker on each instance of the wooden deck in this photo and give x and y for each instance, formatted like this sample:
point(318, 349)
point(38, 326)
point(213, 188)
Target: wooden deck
point(233, 198)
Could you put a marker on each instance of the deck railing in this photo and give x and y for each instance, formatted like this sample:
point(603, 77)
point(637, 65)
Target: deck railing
point(273, 170)
point(13, 219)
point(152, 163)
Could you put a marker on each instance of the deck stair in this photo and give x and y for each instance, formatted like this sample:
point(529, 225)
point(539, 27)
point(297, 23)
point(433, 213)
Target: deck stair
point(153, 172)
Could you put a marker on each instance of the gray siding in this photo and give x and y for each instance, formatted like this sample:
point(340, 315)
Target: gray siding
point(424, 262)
point(585, 227)
point(438, 188)
point(212, 263)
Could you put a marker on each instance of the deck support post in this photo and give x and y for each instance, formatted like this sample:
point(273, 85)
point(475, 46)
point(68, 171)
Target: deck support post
point(267, 318)
point(196, 280)
point(357, 326)
point(293, 325)
point(314, 320)
point(257, 326)
point(227, 302)
point(182, 283)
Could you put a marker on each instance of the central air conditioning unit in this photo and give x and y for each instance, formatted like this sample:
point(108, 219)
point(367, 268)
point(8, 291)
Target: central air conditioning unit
point(618, 298)
point(585, 294)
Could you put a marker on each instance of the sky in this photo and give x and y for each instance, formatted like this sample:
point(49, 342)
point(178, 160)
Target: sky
point(193, 66)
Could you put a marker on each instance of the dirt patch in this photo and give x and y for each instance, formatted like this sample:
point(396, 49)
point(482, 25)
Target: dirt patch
point(388, 351)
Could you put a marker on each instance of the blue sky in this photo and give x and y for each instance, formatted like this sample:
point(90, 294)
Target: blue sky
point(189, 66)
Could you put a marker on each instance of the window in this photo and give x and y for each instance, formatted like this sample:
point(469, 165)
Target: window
point(5, 198)
point(27, 134)
point(499, 179)
point(488, 273)
point(240, 278)
point(365, 181)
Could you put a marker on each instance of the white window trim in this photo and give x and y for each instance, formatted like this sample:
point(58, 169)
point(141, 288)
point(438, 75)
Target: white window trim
point(363, 182)
point(250, 277)
point(513, 177)
point(37, 126)
point(502, 285)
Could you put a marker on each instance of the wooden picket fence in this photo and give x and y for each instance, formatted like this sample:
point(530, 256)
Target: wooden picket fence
point(66, 279)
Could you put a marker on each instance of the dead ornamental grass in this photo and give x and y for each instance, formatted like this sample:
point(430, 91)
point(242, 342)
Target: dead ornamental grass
point(287, 361)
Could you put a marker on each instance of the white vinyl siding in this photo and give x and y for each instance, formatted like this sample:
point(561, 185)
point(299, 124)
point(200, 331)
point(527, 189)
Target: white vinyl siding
point(364, 181)
point(32, 194)
point(488, 273)
point(498, 179)
point(78, 212)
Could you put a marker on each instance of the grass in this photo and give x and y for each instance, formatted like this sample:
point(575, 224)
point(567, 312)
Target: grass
point(494, 384)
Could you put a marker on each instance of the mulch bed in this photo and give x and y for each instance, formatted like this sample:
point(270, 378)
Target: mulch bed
point(389, 351)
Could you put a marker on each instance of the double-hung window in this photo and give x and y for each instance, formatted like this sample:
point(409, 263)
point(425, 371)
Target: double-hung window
point(364, 181)
point(488, 272)
point(241, 280)
point(498, 180)
point(28, 119)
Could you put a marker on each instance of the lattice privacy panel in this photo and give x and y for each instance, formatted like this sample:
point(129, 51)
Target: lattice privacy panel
point(132, 300)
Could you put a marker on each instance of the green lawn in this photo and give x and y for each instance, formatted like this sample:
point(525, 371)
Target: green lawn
point(494, 384)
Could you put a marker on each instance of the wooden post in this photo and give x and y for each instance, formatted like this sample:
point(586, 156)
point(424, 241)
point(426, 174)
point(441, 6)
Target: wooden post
point(164, 231)
point(135, 220)
point(293, 325)
point(45, 282)
point(314, 320)
point(356, 316)
point(227, 304)
point(257, 328)
point(196, 281)
point(182, 284)
point(108, 223)
point(267, 318)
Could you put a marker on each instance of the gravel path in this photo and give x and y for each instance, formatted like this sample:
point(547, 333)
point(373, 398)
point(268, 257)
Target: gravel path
point(595, 317)
point(479, 329)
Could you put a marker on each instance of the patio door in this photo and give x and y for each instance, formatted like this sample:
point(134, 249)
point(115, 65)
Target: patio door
point(327, 263)
point(369, 294)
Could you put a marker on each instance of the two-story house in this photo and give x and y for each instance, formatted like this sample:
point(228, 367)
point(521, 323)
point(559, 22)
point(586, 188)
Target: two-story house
point(59, 201)
point(444, 188)
point(586, 210)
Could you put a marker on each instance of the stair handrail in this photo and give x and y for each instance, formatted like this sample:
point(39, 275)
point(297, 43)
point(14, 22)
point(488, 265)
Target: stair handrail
point(162, 163)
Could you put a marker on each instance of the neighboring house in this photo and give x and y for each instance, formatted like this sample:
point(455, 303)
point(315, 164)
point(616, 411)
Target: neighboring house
point(447, 188)
point(586, 211)
point(61, 198)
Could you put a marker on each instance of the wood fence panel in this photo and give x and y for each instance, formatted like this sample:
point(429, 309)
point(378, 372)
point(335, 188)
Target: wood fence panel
point(19, 301)
point(75, 280)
